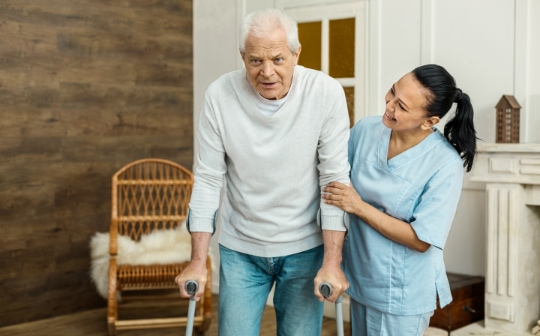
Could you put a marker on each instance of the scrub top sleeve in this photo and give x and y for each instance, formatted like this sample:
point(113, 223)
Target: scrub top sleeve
point(434, 214)
point(353, 141)
point(209, 173)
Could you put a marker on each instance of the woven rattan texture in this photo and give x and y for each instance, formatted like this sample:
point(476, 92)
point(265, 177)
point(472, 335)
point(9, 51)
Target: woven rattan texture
point(151, 196)
point(148, 277)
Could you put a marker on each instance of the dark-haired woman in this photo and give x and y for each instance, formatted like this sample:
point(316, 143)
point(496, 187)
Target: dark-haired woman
point(406, 183)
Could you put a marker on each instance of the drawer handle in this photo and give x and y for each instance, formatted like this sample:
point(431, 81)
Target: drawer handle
point(469, 309)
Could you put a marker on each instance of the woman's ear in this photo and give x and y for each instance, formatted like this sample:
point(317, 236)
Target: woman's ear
point(430, 122)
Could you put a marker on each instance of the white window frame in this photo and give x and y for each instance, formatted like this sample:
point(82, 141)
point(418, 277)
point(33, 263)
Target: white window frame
point(325, 13)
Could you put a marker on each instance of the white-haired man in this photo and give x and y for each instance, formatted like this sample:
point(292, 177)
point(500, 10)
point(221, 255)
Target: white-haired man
point(276, 132)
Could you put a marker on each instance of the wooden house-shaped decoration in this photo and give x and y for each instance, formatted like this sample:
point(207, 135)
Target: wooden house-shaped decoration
point(507, 120)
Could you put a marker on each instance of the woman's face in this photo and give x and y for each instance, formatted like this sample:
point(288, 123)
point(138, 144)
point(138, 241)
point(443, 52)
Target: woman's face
point(405, 106)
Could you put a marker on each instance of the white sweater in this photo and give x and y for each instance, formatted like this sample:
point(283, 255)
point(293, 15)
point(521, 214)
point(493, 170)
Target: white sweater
point(274, 165)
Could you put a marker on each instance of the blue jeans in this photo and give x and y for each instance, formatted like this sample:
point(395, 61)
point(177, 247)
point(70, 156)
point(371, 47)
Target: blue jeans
point(245, 282)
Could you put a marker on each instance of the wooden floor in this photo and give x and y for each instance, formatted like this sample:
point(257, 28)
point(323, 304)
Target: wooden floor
point(93, 323)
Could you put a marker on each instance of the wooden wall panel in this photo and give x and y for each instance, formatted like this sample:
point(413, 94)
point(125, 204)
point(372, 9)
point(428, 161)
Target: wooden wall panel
point(86, 86)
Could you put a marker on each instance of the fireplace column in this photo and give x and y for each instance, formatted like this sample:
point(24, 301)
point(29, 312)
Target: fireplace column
point(512, 279)
point(512, 176)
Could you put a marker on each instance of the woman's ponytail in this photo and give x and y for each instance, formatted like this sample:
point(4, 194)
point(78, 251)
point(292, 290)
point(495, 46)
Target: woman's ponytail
point(459, 130)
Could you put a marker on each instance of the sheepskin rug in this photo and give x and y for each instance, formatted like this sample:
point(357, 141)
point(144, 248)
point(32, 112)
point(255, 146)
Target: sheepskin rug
point(158, 247)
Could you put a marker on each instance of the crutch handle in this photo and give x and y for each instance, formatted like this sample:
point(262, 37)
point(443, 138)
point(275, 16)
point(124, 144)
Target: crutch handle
point(191, 287)
point(326, 289)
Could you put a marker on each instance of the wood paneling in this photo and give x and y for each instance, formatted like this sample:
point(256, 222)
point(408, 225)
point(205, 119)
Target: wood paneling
point(86, 86)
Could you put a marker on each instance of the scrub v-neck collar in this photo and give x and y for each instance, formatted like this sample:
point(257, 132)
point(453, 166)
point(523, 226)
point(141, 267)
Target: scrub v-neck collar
point(407, 156)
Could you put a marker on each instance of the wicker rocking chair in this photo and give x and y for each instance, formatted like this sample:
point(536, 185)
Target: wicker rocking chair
point(149, 195)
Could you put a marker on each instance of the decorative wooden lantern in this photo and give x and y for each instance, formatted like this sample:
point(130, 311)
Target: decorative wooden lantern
point(507, 120)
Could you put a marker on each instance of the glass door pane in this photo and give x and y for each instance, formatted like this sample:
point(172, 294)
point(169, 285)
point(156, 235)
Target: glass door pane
point(309, 34)
point(341, 48)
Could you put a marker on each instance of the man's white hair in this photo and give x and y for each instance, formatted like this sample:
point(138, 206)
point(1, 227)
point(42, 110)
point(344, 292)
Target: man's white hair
point(263, 22)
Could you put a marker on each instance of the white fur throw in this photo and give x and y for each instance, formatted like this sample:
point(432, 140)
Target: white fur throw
point(158, 247)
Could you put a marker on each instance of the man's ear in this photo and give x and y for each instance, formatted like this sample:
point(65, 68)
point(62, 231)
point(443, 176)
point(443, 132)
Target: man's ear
point(297, 54)
point(430, 122)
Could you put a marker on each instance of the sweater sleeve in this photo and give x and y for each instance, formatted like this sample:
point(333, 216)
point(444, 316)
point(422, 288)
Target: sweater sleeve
point(209, 172)
point(333, 156)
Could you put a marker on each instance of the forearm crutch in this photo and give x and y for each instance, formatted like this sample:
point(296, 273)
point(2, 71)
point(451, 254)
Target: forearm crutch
point(326, 290)
point(191, 287)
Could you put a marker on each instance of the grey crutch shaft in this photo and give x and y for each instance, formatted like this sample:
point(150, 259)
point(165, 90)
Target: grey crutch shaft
point(191, 287)
point(326, 291)
point(339, 316)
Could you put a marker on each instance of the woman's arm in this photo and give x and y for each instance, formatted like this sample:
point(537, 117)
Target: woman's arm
point(346, 198)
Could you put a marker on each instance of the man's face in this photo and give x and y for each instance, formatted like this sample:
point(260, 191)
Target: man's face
point(270, 64)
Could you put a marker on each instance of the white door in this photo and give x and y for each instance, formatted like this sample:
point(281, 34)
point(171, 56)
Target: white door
point(333, 39)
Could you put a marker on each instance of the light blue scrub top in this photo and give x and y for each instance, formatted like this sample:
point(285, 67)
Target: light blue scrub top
point(420, 186)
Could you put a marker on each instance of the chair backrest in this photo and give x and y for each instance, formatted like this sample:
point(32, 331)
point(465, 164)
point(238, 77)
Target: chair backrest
point(147, 195)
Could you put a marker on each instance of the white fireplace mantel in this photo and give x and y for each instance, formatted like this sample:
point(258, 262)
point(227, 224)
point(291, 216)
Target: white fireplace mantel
point(512, 298)
point(508, 163)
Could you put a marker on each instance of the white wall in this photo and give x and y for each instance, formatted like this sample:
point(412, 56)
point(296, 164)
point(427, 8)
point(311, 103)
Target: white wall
point(492, 47)
point(532, 52)
point(466, 37)
point(215, 51)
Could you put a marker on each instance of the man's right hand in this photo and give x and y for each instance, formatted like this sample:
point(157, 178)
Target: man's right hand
point(196, 271)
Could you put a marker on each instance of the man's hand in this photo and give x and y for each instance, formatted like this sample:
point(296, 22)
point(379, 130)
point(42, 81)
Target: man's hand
point(196, 269)
point(330, 271)
point(335, 277)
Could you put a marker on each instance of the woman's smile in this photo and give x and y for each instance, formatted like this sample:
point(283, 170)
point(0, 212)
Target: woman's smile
point(388, 116)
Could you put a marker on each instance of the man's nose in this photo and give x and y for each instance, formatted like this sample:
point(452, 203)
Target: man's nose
point(267, 69)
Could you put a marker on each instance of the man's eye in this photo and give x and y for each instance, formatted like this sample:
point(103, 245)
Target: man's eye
point(278, 60)
point(401, 107)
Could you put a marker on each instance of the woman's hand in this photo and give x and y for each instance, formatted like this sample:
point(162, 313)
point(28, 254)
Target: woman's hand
point(344, 197)
point(347, 199)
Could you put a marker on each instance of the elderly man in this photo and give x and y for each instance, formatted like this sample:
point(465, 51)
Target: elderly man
point(276, 132)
